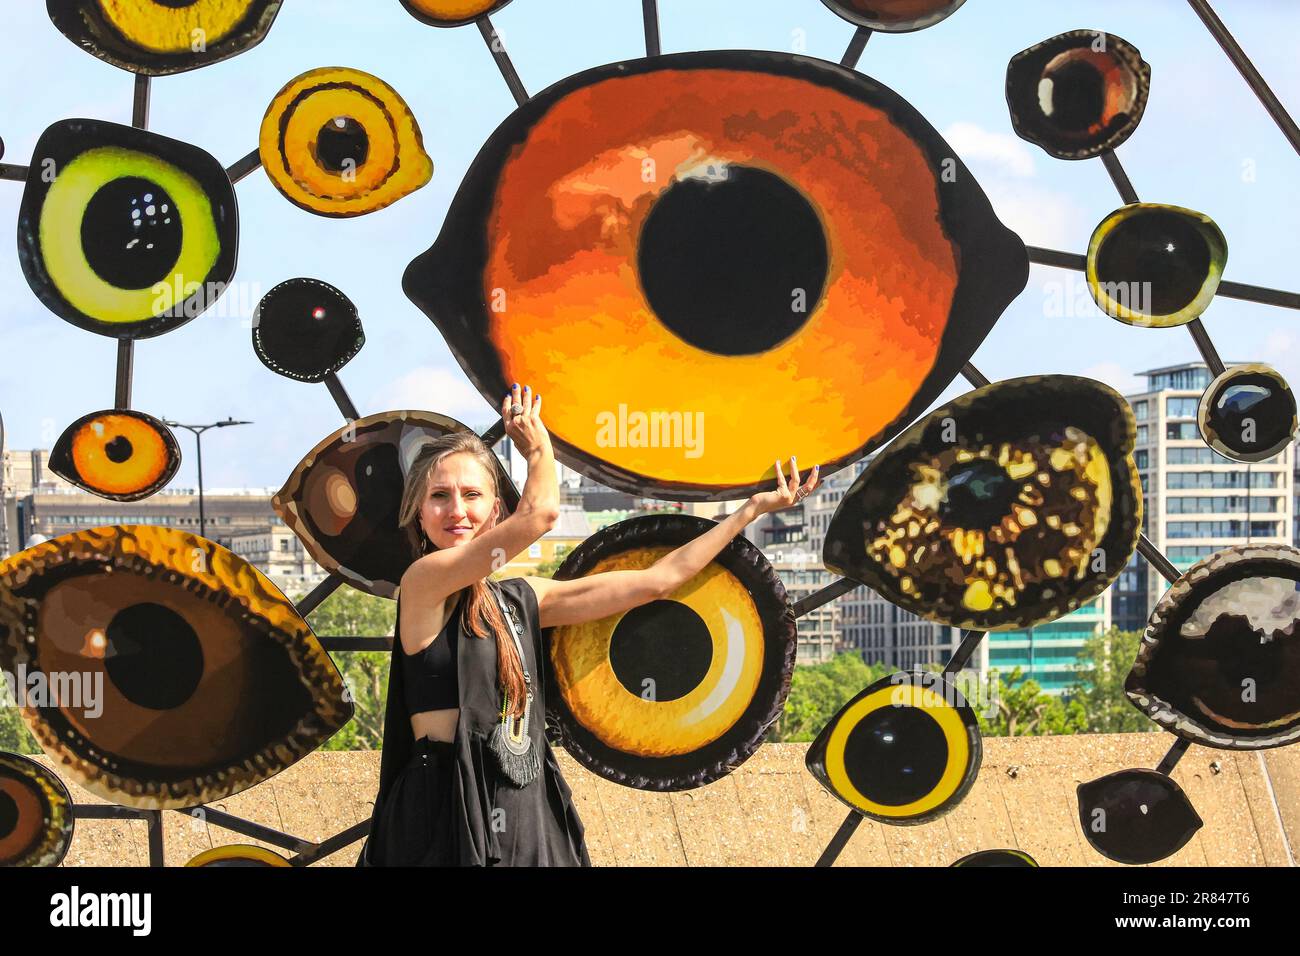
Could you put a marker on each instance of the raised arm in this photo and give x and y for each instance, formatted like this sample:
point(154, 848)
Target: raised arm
point(599, 595)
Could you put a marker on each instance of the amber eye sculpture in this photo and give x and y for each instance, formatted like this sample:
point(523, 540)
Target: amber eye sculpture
point(161, 37)
point(1248, 413)
point(679, 692)
point(339, 142)
point(1078, 94)
point(343, 498)
point(305, 329)
point(36, 816)
point(904, 751)
point(451, 13)
point(1010, 506)
point(1154, 265)
point(238, 855)
point(999, 858)
point(1219, 663)
point(120, 454)
point(894, 16)
point(1136, 816)
point(178, 674)
point(124, 232)
point(686, 253)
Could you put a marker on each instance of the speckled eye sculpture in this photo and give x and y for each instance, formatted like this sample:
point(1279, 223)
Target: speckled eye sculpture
point(161, 37)
point(1011, 506)
point(198, 678)
point(1219, 663)
point(1155, 265)
point(1248, 413)
point(1136, 816)
point(36, 816)
point(894, 16)
point(712, 253)
point(304, 329)
point(339, 142)
point(1078, 94)
point(124, 232)
point(117, 454)
point(679, 692)
point(904, 751)
point(451, 13)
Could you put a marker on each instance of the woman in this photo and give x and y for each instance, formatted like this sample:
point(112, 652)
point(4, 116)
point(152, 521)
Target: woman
point(450, 791)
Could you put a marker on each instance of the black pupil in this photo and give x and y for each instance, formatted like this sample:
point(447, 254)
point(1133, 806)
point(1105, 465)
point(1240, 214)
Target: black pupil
point(1078, 95)
point(896, 755)
point(1160, 248)
point(8, 815)
point(978, 494)
point(342, 145)
point(1251, 413)
point(733, 264)
point(131, 233)
point(118, 450)
point(664, 642)
point(154, 656)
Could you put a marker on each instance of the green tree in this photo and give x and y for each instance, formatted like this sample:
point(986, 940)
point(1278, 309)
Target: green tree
point(1023, 709)
point(818, 691)
point(547, 569)
point(1104, 663)
point(15, 738)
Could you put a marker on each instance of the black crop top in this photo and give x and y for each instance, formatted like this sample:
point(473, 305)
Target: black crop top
point(430, 676)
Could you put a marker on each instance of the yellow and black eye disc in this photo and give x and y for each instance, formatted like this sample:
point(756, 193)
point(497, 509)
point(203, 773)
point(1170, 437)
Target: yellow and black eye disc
point(305, 329)
point(735, 237)
point(1219, 663)
point(342, 500)
point(1248, 413)
point(1155, 265)
point(1011, 506)
point(676, 693)
point(36, 817)
point(340, 142)
point(998, 858)
point(178, 673)
point(1078, 94)
point(124, 232)
point(118, 454)
point(894, 16)
point(904, 751)
point(238, 854)
point(1136, 816)
point(451, 13)
point(161, 37)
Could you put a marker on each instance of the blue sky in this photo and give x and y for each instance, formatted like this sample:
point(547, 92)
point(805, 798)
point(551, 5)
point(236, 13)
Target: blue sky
point(1204, 143)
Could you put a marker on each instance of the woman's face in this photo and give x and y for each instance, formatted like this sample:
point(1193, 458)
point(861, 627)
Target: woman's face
point(459, 504)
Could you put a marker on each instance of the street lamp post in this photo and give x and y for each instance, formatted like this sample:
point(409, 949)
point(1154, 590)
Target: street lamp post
point(198, 431)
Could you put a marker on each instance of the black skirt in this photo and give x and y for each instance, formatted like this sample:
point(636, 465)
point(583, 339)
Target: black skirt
point(416, 826)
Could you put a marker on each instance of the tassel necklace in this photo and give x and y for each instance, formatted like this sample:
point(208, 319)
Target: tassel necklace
point(515, 754)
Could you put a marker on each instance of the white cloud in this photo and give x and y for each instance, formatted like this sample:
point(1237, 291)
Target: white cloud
point(431, 389)
point(978, 146)
point(1116, 376)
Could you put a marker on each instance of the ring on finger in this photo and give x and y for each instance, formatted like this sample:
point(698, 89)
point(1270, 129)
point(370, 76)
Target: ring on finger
point(516, 409)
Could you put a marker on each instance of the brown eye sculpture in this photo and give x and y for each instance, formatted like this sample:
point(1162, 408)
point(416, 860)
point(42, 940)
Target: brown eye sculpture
point(36, 816)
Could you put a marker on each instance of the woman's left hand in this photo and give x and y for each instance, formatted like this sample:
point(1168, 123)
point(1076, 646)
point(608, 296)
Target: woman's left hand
point(787, 493)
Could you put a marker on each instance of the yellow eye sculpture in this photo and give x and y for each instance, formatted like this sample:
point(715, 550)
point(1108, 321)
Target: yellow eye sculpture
point(340, 142)
point(904, 751)
point(1010, 506)
point(451, 13)
point(676, 693)
point(238, 855)
point(161, 37)
point(998, 858)
point(134, 235)
point(121, 455)
point(178, 673)
point(36, 816)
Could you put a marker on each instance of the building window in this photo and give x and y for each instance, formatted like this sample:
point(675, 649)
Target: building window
point(535, 550)
point(1143, 437)
point(1181, 431)
point(1140, 411)
point(1140, 458)
point(1181, 407)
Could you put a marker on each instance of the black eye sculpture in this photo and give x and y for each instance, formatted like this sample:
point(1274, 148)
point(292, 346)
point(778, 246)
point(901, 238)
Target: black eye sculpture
point(36, 816)
point(1248, 413)
point(894, 16)
point(904, 751)
point(123, 232)
point(676, 693)
point(998, 858)
point(1136, 816)
point(306, 329)
point(117, 454)
point(1011, 506)
point(1219, 663)
point(192, 677)
point(161, 37)
point(1078, 94)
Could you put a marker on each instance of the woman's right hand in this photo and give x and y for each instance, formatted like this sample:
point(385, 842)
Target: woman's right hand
point(525, 429)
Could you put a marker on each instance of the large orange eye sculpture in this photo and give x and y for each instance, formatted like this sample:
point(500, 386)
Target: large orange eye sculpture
point(1219, 663)
point(676, 693)
point(340, 142)
point(161, 37)
point(894, 16)
point(1078, 94)
point(180, 673)
point(451, 13)
point(733, 238)
point(1011, 506)
point(132, 235)
point(121, 455)
point(36, 817)
point(343, 498)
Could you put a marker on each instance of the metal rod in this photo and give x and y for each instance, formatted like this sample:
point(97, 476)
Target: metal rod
point(340, 396)
point(650, 13)
point(840, 840)
point(825, 595)
point(1247, 69)
point(498, 50)
point(333, 844)
point(140, 105)
point(125, 364)
point(1119, 177)
point(153, 820)
point(1157, 560)
point(14, 173)
point(356, 643)
point(228, 821)
point(970, 642)
point(245, 167)
point(974, 375)
point(1170, 760)
point(1206, 347)
point(107, 811)
point(1053, 257)
point(854, 52)
point(318, 595)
